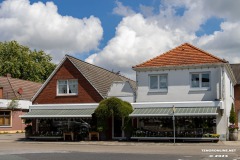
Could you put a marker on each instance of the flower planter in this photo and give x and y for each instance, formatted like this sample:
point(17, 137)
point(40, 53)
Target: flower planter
point(233, 135)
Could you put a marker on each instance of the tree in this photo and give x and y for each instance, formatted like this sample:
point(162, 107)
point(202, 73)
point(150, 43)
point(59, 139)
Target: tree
point(232, 118)
point(112, 107)
point(23, 63)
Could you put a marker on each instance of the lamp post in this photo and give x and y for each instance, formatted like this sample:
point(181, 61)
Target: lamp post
point(174, 136)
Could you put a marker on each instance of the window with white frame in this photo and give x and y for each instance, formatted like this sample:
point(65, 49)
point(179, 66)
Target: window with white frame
point(67, 87)
point(5, 118)
point(158, 82)
point(200, 80)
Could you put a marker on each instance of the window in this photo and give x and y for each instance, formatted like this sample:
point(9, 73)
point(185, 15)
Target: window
point(158, 82)
point(200, 80)
point(67, 87)
point(231, 89)
point(5, 118)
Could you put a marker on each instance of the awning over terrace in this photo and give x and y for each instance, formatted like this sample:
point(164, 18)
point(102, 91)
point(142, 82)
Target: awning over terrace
point(168, 111)
point(59, 113)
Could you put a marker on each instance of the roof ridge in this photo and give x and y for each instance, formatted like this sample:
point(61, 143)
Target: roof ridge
point(206, 52)
point(159, 55)
point(22, 79)
point(122, 76)
point(90, 64)
point(11, 86)
point(99, 67)
point(184, 44)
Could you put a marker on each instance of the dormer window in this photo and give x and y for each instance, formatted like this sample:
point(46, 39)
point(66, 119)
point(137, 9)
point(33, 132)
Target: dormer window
point(67, 87)
point(200, 80)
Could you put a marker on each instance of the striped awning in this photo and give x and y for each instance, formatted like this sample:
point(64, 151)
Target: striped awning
point(168, 111)
point(59, 113)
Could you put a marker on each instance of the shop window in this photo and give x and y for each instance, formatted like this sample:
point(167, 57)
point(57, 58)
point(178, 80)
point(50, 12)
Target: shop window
point(200, 80)
point(158, 82)
point(67, 87)
point(5, 118)
point(185, 127)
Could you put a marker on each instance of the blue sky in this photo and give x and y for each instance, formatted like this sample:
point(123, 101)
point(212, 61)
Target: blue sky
point(119, 34)
point(104, 11)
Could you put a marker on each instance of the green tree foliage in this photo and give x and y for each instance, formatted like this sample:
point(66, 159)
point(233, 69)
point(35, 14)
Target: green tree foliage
point(112, 107)
point(23, 63)
point(232, 118)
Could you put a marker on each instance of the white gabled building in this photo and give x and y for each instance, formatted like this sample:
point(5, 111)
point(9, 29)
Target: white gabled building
point(197, 84)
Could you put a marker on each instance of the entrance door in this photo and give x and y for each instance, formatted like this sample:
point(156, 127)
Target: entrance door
point(117, 128)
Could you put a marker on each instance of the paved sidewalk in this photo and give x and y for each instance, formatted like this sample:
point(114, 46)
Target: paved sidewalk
point(21, 137)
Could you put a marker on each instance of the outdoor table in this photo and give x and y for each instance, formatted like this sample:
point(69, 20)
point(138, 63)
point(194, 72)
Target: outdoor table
point(68, 134)
point(93, 134)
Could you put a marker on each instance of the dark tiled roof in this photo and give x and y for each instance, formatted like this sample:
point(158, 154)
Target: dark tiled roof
point(100, 78)
point(185, 54)
point(236, 71)
point(11, 87)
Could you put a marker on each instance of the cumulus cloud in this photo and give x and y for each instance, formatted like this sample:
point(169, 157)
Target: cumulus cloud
point(137, 40)
point(224, 43)
point(144, 35)
point(40, 26)
point(122, 10)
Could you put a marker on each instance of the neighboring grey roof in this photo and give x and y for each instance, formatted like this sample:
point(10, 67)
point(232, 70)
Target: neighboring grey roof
point(236, 71)
point(11, 87)
point(100, 78)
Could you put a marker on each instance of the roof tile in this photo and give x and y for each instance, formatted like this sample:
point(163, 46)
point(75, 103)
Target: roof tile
point(12, 85)
point(185, 54)
point(100, 78)
point(236, 71)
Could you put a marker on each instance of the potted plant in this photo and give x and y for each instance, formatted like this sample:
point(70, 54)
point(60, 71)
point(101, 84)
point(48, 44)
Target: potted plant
point(233, 129)
point(108, 108)
point(28, 128)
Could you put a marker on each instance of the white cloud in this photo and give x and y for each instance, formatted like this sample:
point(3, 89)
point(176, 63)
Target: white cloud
point(40, 26)
point(122, 10)
point(224, 43)
point(139, 38)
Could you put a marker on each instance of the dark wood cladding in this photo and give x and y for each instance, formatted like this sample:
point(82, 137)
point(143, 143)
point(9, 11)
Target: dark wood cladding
point(86, 92)
point(237, 100)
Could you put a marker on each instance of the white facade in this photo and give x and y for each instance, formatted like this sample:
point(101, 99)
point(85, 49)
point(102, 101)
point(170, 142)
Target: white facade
point(122, 90)
point(21, 104)
point(179, 89)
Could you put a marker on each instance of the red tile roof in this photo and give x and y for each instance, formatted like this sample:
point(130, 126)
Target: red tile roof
point(185, 54)
point(11, 88)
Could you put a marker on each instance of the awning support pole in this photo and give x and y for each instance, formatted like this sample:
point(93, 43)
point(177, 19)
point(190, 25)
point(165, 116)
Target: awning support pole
point(174, 136)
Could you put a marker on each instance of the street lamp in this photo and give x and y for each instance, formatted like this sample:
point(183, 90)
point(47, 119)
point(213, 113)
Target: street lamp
point(174, 136)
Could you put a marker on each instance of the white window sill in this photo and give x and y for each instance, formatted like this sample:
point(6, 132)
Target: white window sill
point(67, 94)
point(5, 127)
point(199, 89)
point(158, 91)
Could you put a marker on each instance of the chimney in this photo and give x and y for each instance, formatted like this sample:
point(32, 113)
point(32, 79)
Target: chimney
point(1, 92)
point(8, 75)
